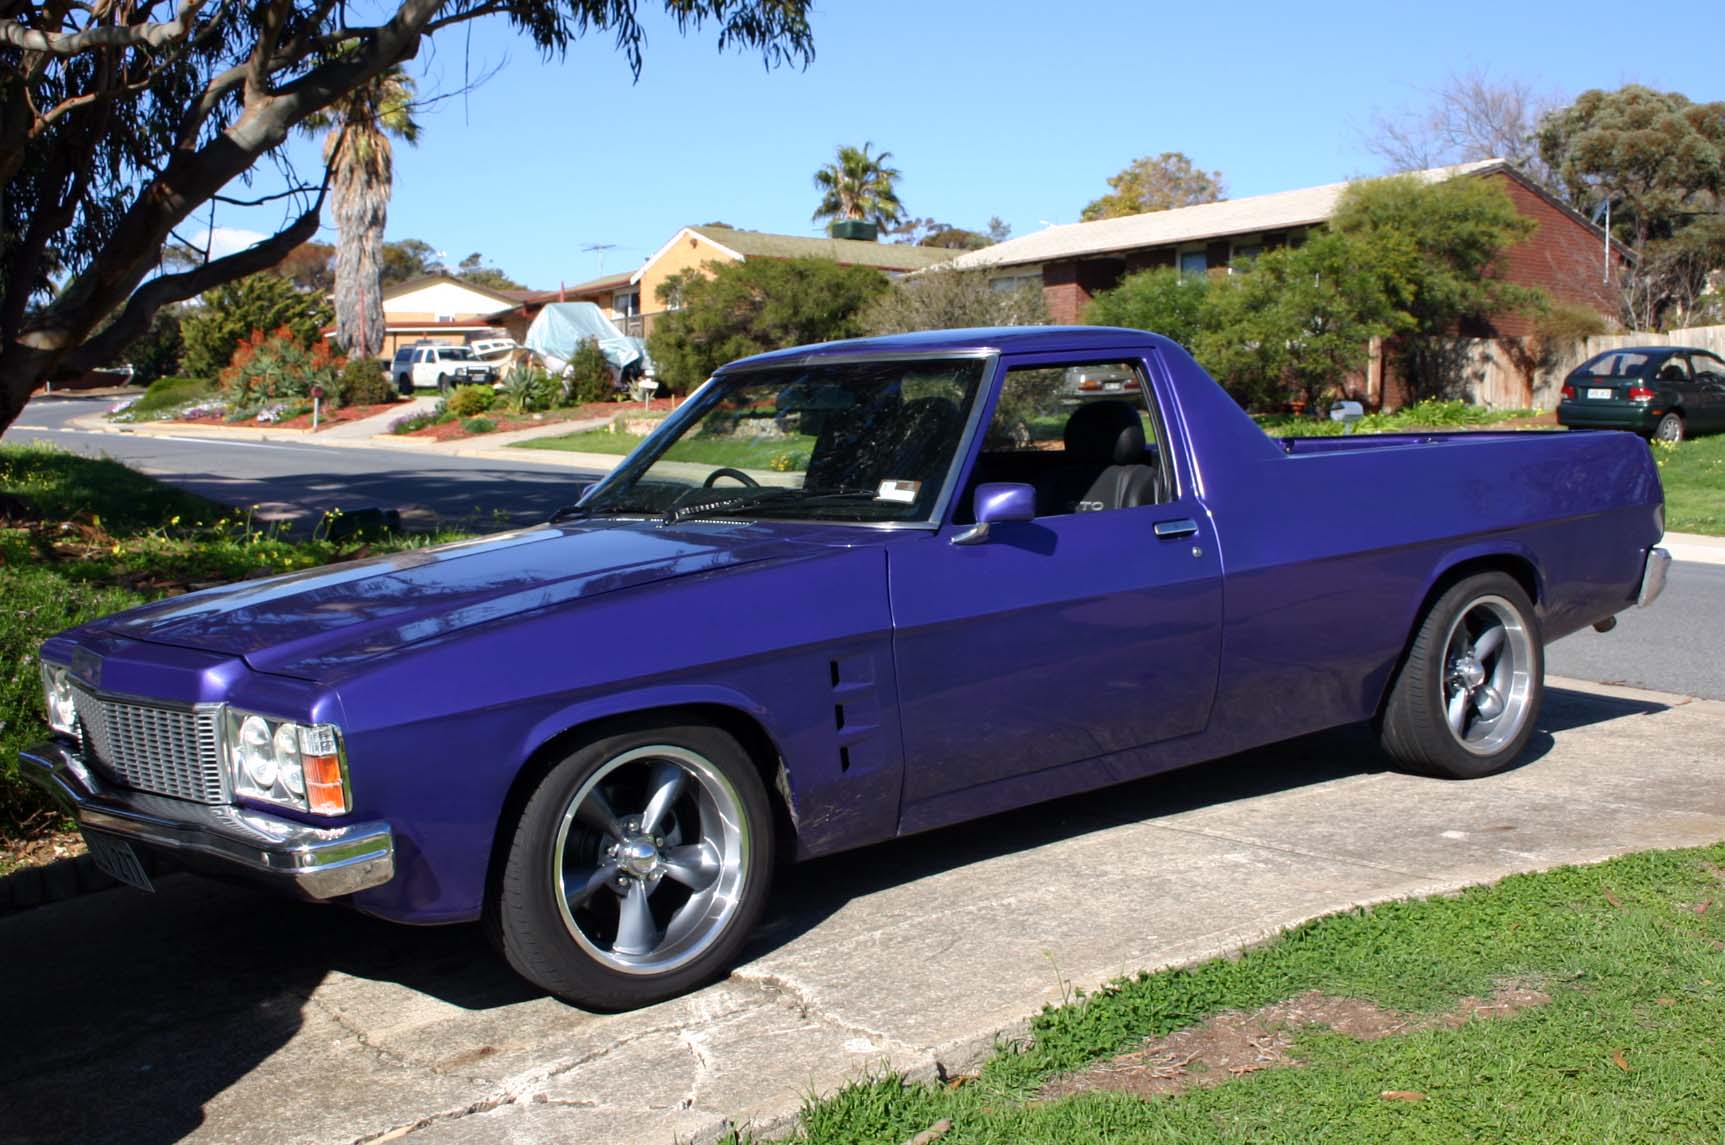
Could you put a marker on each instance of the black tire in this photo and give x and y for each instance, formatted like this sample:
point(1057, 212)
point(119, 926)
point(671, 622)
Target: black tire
point(443, 384)
point(555, 847)
point(1416, 728)
point(1670, 428)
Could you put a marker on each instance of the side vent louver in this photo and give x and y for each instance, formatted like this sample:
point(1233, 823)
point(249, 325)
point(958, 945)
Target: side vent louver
point(856, 710)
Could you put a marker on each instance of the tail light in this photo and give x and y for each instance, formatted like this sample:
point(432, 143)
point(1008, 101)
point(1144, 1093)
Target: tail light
point(1640, 394)
point(1568, 392)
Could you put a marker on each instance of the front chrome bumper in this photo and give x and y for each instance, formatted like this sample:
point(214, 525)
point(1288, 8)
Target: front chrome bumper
point(1653, 576)
point(317, 862)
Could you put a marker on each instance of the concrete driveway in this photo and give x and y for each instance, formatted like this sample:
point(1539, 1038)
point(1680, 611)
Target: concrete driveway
point(211, 1013)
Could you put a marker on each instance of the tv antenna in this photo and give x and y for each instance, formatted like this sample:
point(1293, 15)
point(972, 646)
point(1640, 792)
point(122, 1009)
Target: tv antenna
point(601, 248)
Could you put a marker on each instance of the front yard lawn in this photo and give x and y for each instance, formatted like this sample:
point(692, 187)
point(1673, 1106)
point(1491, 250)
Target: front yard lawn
point(1694, 476)
point(786, 454)
point(1582, 1005)
point(80, 538)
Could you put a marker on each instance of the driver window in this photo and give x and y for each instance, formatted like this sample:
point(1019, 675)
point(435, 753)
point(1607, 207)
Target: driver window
point(1081, 435)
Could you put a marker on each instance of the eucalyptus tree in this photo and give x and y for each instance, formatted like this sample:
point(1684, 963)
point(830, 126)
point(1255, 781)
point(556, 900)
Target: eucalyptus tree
point(120, 122)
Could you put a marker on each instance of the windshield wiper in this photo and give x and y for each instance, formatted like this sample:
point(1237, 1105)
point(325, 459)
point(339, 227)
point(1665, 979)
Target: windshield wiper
point(727, 502)
point(765, 497)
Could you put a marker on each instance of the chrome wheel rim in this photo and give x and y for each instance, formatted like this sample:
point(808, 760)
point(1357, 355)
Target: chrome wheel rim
point(1488, 675)
point(1670, 428)
point(651, 859)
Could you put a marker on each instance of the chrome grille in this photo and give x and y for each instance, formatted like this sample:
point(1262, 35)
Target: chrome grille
point(167, 751)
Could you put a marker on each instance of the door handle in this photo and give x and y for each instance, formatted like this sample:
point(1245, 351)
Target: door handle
point(1175, 529)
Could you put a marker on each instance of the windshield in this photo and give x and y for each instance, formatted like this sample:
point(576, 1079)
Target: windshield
point(459, 353)
point(863, 442)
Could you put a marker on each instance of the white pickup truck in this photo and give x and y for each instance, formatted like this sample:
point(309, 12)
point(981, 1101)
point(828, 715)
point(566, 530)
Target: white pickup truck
point(445, 367)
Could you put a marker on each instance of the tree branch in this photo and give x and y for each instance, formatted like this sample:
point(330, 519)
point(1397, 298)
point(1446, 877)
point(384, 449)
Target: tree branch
point(65, 44)
point(166, 289)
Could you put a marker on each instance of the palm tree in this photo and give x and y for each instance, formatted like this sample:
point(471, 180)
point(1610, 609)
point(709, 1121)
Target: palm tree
point(362, 169)
point(858, 185)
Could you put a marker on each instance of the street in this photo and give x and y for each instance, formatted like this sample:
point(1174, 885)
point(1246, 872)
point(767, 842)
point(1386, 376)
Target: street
point(298, 483)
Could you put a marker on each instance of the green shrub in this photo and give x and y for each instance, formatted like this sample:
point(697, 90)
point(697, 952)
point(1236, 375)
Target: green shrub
point(166, 393)
point(589, 378)
point(479, 425)
point(467, 401)
point(527, 389)
point(279, 367)
point(363, 383)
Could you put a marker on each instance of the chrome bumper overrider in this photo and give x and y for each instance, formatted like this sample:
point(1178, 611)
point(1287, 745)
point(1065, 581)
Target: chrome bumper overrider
point(1653, 576)
point(319, 862)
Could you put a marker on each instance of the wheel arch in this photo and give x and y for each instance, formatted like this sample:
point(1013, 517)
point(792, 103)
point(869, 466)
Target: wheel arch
point(1518, 563)
point(554, 744)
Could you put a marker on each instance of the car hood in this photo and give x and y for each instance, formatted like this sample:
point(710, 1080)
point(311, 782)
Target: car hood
point(306, 624)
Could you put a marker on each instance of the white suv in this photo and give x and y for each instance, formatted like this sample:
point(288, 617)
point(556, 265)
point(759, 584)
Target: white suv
point(442, 366)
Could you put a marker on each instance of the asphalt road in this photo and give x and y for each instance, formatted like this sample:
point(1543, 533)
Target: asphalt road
point(299, 483)
point(1678, 645)
point(1673, 647)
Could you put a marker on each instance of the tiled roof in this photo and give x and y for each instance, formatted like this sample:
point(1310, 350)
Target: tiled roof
point(1250, 215)
point(850, 252)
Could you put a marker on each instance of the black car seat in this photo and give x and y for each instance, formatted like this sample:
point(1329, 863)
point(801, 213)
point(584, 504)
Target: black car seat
point(1104, 465)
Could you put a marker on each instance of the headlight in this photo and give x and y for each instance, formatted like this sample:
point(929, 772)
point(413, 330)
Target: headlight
point(57, 692)
point(280, 761)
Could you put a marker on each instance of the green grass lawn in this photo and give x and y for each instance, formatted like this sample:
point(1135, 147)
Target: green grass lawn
point(789, 453)
point(1629, 1047)
point(81, 538)
point(1694, 477)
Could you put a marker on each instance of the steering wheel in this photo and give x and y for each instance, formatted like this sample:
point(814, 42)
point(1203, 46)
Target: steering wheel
point(727, 471)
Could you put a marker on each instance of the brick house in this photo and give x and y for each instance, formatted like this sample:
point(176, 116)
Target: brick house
point(1075, 262)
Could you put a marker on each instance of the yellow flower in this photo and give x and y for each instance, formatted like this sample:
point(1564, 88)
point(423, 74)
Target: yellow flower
point(96, 520)
point(174, 520)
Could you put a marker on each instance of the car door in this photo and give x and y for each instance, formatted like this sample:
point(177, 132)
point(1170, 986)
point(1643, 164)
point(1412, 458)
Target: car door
point(424, 367)
point(1710, 391)
point(1091, 630)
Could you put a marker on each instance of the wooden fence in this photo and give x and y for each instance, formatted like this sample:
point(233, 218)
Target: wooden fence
point(1504, 373)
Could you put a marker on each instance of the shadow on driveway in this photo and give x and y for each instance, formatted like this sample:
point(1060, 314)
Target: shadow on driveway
point(128, 1013)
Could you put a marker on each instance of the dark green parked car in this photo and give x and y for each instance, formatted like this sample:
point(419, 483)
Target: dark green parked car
point(1665, 392)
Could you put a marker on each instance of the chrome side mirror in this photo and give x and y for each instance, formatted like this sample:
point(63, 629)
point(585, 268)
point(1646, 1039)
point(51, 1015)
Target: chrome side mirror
point(997, 503)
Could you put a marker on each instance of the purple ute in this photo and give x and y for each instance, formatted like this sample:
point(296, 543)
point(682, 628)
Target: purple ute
point(846, 592)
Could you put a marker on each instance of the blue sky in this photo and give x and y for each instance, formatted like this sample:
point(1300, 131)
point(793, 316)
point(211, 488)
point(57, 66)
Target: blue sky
point(989, 108)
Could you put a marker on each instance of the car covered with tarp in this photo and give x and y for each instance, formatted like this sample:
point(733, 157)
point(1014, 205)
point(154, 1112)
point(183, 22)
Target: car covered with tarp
point(560, 328)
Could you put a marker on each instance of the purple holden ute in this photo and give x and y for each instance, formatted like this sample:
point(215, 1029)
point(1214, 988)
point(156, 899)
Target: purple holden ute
point(846, 592)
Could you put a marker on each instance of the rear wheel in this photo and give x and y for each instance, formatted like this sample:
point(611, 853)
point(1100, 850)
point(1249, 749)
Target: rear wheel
point(1669, 429)
point(638, 868)
point(1465, 700)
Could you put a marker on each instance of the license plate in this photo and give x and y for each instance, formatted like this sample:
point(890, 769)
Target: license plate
point(1598, 394)
point(116, 859)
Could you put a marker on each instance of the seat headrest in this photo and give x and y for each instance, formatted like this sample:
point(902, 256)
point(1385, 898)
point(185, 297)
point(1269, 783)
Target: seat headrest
point(1109, 432)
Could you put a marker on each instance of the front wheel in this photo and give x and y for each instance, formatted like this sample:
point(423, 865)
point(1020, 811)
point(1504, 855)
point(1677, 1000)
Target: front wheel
point(638, 868)
point(1466, 698)
point(1669, 429)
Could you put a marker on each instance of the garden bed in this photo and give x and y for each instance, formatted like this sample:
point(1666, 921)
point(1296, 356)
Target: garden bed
point(452, 428)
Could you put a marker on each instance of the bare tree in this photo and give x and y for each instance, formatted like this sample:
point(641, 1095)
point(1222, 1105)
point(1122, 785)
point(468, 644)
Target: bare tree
point(1474, 116)
point(118, 121)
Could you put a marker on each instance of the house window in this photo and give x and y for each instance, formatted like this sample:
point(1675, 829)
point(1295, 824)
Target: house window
point(1006, 284)
point(626, 303)
point(1246, 252)
point(445, 317)
point(1194, 263)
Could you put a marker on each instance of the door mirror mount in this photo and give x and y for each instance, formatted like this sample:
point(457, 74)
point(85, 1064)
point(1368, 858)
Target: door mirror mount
point(998, 503)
